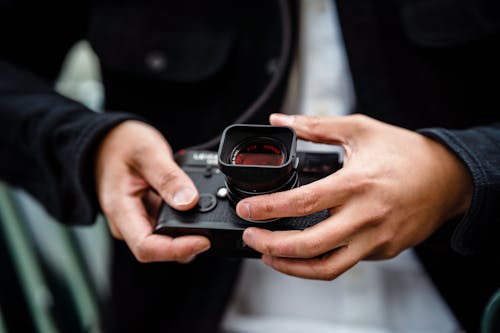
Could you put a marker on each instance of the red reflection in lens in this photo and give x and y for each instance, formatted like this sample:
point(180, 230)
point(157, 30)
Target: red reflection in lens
point(259, 154)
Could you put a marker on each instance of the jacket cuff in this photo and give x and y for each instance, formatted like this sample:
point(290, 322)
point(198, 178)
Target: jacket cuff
point(468, 236)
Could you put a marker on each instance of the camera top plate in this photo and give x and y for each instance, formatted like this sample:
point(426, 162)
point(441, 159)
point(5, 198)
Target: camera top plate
point(219, 222)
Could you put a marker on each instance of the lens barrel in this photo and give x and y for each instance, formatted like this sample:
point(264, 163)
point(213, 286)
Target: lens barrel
point(258, 159)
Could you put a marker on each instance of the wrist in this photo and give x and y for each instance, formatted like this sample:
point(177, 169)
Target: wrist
point(457, 181)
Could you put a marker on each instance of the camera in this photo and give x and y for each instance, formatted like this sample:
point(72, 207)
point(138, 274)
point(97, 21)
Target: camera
point(251, 160)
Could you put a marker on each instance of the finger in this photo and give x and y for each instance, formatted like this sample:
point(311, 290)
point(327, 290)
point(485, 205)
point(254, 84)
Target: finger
point(322, 129)
point(327, 267)
point(332, 233)
point(159, 169)
point(132, 220)
point(301, 201)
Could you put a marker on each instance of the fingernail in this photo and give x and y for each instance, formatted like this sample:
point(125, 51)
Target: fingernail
point(188, 259)
point(245, 210)
point(248, 236)
point(199, 248)
point(284, 119)
point(184, 196)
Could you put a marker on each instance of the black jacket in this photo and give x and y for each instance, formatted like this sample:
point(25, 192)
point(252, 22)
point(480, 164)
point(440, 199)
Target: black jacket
point(426, 65)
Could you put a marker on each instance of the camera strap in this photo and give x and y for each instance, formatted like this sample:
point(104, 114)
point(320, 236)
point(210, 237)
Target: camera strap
point(257, 104)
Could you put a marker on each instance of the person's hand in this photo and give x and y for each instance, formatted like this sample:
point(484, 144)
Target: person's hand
point(396, 188)
point(134, 171)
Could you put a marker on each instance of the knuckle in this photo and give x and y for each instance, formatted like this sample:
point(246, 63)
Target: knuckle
point(314, 124)
point(326, 272)
point(352, 180)
point(141, 252)
point(138, 151)
point(167, 177)
point(360, 122)
point(268, 208)
point(178, 254)
point(360, 181)
point(387, 251)
point(380, 213)
point(391, 252)
point(282, 248)
point(312, 245)
point(115, 233)
point(386, 247)
point(360, 119)
point(306, 202)
point(268, 248)
point(109, 204)
point(391, 248)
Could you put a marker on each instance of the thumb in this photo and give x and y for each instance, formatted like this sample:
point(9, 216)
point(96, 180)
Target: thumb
point(156, 165)
point(170, 181)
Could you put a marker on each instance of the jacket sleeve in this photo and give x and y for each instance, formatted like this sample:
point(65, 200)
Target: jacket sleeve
point(47, 143)
point(479, 149)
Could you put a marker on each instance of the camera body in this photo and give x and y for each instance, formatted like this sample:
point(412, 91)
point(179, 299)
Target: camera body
point(215, 216)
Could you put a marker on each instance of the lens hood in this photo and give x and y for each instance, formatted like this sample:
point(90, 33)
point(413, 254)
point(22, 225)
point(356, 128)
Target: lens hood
point(252, 179)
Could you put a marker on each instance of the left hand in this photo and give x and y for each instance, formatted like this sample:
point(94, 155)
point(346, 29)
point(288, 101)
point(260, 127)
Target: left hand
point(395, 189)
point(134, 172)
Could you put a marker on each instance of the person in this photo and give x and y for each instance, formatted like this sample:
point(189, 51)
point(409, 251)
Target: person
point(176, 74)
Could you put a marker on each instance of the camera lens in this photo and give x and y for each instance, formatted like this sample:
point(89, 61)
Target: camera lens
point(261, 151)
point(257, 159)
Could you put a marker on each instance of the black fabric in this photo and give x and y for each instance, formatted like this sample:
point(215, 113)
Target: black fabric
point(36, 35)
point(477, 232)
point(190, 109)
point(441, 23)
point(195, 37)
point(169, 297)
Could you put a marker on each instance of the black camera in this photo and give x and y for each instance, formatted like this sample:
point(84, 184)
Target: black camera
point(252, 160)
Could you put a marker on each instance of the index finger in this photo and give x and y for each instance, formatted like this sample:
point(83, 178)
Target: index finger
point(323, 129)
point(133, 221)
point(301, 201)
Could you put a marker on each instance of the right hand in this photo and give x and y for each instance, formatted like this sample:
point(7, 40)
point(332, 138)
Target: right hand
point(396, 188)
point(134, 171)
